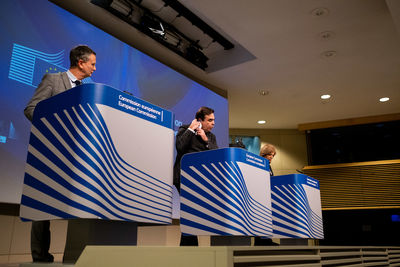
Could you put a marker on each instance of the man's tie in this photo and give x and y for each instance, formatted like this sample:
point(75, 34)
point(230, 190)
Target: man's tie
point(77, 82)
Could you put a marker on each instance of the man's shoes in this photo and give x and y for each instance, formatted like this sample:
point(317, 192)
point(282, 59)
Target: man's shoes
point(260, 241)
point(46, 258)
point(189, 240)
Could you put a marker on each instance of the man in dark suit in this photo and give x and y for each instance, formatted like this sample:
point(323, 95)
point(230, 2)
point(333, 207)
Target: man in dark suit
point(195, 137)
point(82, 65)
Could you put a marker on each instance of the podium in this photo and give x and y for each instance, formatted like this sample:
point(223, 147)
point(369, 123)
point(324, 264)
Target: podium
point(296, 207)
point(225, 192)
point(99, 154)
point(230, 192)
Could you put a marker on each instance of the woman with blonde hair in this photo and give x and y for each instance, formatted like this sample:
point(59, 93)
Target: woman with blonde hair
point(268, 151)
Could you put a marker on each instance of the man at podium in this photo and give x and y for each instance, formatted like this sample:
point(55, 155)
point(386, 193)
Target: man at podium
point(195, 137)
point(82, 65)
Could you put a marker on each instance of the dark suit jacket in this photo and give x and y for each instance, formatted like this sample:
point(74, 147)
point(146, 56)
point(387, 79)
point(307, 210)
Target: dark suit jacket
point(51, 84)
point(188, 142)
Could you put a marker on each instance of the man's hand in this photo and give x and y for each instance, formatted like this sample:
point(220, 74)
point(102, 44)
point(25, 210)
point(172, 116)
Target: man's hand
point(202, 134)
point(194, 125)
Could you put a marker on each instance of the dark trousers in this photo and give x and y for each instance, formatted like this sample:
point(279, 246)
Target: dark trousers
point(40, 241)
point(263, 241)
point(189, 240)
point(186, 240)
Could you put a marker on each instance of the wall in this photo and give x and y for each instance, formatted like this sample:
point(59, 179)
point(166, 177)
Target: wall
point(290, 145)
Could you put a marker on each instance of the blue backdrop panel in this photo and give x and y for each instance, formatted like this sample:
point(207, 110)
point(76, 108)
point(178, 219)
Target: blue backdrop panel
point(37, 40)
point(225, 192)
point(95, 152)
point(296, 207)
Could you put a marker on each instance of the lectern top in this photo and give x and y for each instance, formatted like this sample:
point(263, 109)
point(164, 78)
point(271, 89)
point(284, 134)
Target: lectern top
point(89, 94)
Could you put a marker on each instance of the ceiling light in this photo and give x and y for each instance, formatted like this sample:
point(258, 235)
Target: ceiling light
point(326, 35)
point(155, 27)
point(325, 96)
point(384, 99)
point(328, 54)
point(261, 122)
point(199, 23)
point(320, 12)
point(263, 92)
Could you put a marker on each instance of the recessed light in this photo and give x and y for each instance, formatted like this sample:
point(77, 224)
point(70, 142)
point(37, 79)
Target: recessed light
point(325, 96)
point(326, 35)
point(263, 92)
point(329, 54)
point(384, 99)
point(320, 12)
point(261, 122)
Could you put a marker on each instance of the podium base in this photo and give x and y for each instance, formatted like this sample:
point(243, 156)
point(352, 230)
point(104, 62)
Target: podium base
point(83, 232)
point(230, 240)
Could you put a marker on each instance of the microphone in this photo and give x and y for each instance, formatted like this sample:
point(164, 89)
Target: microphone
point(199, 127)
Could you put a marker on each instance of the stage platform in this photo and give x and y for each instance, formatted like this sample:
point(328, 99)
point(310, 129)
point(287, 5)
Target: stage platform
point(294, 256)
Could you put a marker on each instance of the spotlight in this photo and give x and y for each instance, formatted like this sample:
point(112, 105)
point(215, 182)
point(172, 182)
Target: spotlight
point(172, 39)
point(132, 12)
point(154, 26)
point(196, 57)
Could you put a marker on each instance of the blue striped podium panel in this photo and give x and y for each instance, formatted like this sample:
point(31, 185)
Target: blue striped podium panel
point(225, 192)
point(296, 207)
point(96, 152)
